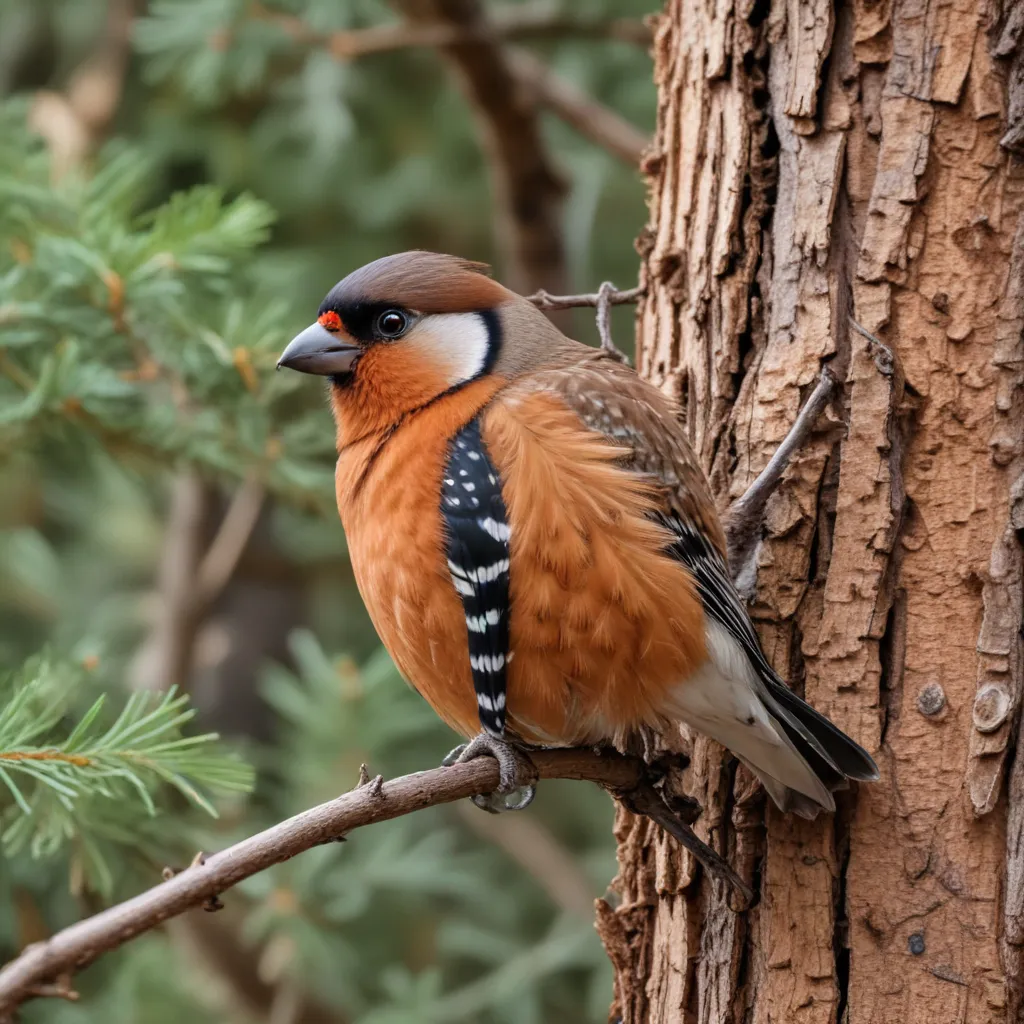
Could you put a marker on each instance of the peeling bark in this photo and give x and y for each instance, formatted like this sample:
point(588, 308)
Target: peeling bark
point(813, 164)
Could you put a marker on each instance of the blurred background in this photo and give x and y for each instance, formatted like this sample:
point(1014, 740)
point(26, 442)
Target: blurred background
point(181, 181)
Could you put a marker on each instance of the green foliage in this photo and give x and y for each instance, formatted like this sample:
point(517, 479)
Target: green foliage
point(88, 781)
point(140, 328)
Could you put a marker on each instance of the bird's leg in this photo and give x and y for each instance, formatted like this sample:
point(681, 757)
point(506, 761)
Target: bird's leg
point(515, 772)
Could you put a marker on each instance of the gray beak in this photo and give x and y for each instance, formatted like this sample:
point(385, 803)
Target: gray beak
point(316, 350)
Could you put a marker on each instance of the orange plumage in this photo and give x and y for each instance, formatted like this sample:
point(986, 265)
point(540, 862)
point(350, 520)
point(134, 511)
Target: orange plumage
point(532, 536)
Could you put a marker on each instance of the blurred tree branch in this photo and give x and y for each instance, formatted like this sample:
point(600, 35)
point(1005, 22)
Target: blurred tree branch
point(528, 189)
point(533, 847)
point(518, 22)
point(593, 120)
point(74, 121)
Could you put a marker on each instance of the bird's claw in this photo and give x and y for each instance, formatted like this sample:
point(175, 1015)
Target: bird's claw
point(516, 773)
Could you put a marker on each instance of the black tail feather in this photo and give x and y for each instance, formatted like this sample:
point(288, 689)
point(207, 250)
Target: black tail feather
point(848, 758)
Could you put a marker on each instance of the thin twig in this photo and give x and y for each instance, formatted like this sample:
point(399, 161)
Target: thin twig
point(81, 943)
point(603, 299)
point(616, 297)
point(221, 558)
point(743, 520)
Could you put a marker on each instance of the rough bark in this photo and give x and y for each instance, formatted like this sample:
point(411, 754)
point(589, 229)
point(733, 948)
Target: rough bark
point(812, 164)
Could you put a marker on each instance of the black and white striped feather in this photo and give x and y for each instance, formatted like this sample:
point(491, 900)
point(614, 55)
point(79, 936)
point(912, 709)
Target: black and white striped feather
point(830, 753)
point(478, 560)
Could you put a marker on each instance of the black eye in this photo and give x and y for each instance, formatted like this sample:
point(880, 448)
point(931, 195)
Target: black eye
point(392, 323)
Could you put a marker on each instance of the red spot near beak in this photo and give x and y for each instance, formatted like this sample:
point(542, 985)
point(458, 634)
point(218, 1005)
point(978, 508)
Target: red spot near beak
point(330, 321)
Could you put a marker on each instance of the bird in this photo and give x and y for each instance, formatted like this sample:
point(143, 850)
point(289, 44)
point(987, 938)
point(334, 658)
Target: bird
point(535, 540)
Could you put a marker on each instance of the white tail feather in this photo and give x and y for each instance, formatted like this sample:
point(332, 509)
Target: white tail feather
point(721, 701)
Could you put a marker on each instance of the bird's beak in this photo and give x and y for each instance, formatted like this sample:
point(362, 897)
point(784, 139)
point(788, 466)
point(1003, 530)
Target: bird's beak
point(317, 350)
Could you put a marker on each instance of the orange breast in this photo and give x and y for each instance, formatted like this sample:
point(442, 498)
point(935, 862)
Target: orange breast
point(393, 526)
point(602, 624)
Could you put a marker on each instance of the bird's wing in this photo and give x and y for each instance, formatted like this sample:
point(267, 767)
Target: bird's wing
point(477, 534)
point(610, 399)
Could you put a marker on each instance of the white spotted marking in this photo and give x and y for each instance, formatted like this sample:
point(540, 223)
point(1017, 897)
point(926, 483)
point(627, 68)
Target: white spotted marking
point(469, 486)
point(463, 587)
point(479, 623)
point(474, 456)
point(487, 663)
point(499, 531)
point(491, 703)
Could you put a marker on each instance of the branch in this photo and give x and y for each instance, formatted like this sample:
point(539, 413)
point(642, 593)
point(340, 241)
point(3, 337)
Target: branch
point(743, 520)
point(528, 189)
point(593, 120)
point(200, 884)
point(512, 23)
point(603, 299)
point(226, 548)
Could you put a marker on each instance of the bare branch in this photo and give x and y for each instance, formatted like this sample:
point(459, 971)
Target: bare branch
point(73, 122)
point(221, 558)
point(517, 22)
point(208, 877)
point(743, 520)
point(593, 120)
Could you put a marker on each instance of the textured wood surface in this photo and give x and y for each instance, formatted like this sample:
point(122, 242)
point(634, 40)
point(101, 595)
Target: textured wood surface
point(814, 163)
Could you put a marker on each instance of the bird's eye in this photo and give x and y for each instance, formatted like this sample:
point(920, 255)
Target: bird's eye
point(392, 323)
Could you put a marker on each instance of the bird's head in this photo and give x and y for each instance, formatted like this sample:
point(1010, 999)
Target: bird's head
point(401, 331)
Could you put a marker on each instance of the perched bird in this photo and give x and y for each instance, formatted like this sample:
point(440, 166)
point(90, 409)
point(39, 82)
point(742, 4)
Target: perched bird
point(534, 539)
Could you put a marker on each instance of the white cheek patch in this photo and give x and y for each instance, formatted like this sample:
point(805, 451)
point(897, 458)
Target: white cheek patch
point(457, 343)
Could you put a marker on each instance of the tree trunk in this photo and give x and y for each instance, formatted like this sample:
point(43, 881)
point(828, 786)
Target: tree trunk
point(817, 165)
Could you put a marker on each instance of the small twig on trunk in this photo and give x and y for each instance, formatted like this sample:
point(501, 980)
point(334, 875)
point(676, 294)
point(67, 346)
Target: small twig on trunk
point(80, 944)
point(884, 358)
point(603, 299)
point(744, 518)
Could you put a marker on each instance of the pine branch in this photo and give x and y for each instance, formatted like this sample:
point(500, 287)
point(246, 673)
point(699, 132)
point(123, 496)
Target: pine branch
point(125, 760)
point(376, 800)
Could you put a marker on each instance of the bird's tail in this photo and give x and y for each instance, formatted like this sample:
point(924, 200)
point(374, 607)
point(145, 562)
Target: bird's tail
point(827, 751)
point(799, 755)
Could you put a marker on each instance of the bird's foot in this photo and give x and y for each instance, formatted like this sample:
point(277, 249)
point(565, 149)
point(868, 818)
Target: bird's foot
point(516, 773)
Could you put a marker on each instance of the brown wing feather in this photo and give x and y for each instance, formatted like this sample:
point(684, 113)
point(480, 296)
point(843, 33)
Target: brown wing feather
point(612, 400)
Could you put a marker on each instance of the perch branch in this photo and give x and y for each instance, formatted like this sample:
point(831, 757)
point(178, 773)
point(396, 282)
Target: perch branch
point(82, 943)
